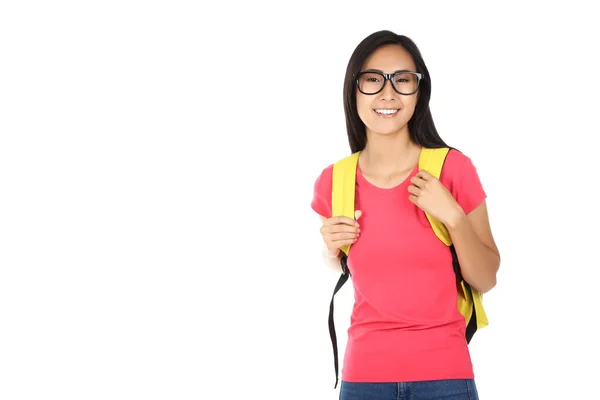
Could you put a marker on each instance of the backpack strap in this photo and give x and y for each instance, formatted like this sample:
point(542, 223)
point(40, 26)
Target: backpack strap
point(470, 302)
point(342, 279)
point(343, 187)
point(432, 161)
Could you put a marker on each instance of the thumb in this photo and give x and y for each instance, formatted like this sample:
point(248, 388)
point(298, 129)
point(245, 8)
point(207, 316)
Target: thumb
point(357, 214)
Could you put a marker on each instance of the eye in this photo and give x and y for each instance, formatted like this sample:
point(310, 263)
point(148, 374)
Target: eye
point(370, 77)
point(404, 78)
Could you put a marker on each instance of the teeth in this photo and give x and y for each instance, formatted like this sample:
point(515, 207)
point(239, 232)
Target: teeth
point(387, 112)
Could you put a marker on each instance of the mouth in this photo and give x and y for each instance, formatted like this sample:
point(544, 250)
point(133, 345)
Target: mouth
point(386, 112)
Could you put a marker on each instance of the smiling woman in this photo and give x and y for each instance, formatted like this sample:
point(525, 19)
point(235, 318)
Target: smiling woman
point(407, 336)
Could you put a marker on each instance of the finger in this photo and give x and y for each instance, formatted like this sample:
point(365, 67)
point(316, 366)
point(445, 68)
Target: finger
point(414, 199)
point(357, 214)
point(415, 191)
point(341, 228)
point(418, 181)
point(342, 236)
point(424, 175)
point(339, 243)
point(342, 220)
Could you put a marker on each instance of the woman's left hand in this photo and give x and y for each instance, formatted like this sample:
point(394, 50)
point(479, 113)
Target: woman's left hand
point(431, 196)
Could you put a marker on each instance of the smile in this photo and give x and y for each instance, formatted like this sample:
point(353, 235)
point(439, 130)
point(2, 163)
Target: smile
point(386, 111)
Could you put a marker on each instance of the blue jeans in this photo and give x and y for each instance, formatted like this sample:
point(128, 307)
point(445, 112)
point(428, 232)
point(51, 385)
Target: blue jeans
point(450, 389)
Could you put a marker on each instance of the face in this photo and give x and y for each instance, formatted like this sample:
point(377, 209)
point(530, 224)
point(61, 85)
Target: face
point(387, 112)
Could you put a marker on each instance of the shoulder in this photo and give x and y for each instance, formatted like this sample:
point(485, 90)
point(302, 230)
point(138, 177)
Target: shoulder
point(321, 202)
point(326, 173)
point(456, 165)
point(460, 176)
point(323, 181)
point(455, 161)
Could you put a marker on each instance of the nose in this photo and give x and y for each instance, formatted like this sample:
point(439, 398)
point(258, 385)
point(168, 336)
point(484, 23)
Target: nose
point(388, 91)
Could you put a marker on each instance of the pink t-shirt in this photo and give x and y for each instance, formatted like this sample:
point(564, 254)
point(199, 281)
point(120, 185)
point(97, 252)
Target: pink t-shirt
point(405, 324)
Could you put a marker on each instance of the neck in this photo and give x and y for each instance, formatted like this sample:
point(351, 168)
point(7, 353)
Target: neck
point(390, 152)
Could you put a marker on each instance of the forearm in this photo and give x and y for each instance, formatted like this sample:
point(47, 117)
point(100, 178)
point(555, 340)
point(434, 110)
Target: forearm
point(479, 263)
point(332, 261)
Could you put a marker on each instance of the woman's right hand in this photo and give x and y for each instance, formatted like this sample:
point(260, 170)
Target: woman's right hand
point(340, 231)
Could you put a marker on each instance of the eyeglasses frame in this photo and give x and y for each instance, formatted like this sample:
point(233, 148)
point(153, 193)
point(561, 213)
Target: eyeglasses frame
point(389, 77)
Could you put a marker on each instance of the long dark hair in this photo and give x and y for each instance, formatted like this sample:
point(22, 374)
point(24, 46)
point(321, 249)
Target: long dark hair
point(421, 126)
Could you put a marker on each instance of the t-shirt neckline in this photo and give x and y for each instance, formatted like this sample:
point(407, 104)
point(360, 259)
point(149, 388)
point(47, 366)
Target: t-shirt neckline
point(363, 182)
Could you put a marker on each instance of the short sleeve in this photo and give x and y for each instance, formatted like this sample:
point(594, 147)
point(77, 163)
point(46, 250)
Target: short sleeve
point(321, 202)
point(463, 181)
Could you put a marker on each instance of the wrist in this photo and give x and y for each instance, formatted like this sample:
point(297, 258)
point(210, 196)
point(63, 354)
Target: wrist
point(456, 219)
point(328, 254)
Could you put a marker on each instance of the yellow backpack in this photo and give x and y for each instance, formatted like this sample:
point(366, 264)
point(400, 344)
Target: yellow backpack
point(431, 160)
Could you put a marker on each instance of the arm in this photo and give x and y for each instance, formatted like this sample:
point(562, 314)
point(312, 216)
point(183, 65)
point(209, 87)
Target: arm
point(331, 260)
point(476, 249)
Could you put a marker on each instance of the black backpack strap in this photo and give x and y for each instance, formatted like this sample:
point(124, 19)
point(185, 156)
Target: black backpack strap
point(343, 278)
point(455, 264)
point(472, 325)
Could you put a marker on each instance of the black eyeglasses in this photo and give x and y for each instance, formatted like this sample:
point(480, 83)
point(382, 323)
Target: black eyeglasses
point(372, 82)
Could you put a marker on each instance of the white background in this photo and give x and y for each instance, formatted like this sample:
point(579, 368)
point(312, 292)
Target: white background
point(157, 162)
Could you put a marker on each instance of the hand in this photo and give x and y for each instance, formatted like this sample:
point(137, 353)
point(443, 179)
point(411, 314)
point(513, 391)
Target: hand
point(340, 231)
point(431, 196)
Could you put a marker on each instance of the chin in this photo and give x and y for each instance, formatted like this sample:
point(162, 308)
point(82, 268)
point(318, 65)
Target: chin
point(386, 129)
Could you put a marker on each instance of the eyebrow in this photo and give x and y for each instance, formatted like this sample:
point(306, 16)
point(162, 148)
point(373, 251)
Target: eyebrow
point(380, 71)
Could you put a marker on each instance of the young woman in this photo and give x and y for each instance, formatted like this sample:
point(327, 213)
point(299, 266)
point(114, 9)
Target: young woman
point(406, 339)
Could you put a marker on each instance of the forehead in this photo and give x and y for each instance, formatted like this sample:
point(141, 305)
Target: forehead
point(390, 58)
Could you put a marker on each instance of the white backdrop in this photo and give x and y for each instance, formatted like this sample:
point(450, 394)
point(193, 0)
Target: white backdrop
point(157, 162)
